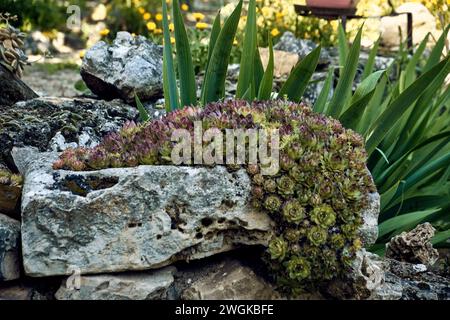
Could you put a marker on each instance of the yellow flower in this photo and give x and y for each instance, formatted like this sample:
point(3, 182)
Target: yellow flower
point(158, 31)
point(201, 25)
point(198, 16)
point(184, 7)
point(265, 11)
point(172, 40)
point(82, 53)
point(275, 32)
point(159, 17)
point(235, 42)
point(147, 16)
point(279, 15)
point(141, 10)
point(171, 27)
point(151, 26)
point(104, 32)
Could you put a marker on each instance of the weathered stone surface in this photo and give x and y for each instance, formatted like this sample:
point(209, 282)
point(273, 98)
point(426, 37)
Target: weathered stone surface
point(12, 89)
point(129, 65)
point(368, 231)
point(9, 199)
point(407, 281)
point(130, 286)
point(367, 274)
point(229, 280)
point(135, 219)
point(9, 248)
point(58, 123)
point(286, 61)
point(288, 42)
point(423, 22)
point(29, 289)
point(414, 246)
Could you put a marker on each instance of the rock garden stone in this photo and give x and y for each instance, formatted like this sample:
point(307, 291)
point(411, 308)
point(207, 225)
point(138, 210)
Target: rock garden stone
point(13, 89)
point(9, 248)
point(130, 286)
point(230, 280)
point(131, 218)
point(59, 123)
point(414, 246)
point(130, 65)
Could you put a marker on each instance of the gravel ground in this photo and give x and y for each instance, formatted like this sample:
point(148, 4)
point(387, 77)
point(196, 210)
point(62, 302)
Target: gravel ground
point(58, 83)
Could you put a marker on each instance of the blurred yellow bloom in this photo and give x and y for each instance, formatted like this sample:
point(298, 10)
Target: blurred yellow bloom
point(158, 31)
point(171, 27)
point(104, 32)
point(275, 32)
point(201, 25)
point(82, 53)
point(266, 11)
point(172, 40)
point(235, 42)
point(147, 16)
point(198, 16)
point(184, 7)
point(141, 10)
point(159, 17)
point(151, 26)
point(279, 15)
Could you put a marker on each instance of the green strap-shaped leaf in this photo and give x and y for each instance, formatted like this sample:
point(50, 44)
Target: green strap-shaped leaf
point(368, 68)
point(169, 78)
point(346, 76)
point(259, 72)
point(217, 69)
point(298, 80)
point(216, 27)
point(265, 89)
point(363, 94)
point(386, 197)
point(402, 103)
point(435, 55)
point(394, 167)
point(321, 102)
point(186, 74)
point(410, 70)
point(427, 170)
point(143, 114)
point(352, 116)
point(400, 222)
point(440, 237)
point(247, 70)
point(343, 47)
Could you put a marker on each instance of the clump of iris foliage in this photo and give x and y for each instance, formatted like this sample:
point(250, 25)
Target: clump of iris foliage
point(315, 199)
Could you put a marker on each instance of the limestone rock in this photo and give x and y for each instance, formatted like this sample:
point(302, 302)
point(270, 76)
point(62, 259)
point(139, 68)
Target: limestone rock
point(9, 248)
point(423, 22)
point(130, 286)
point(59, 123)
point(407, 281)
point(367, 274)
point(285, 61)
point(131, 218)
point(414, 246)
point(230, 280)
point(129, 65)
point(288, 42)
